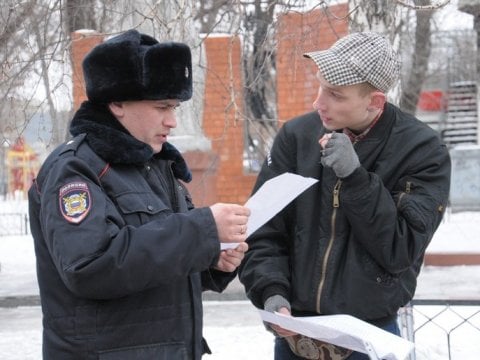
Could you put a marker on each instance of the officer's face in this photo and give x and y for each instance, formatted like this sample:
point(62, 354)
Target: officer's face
point(149, 121)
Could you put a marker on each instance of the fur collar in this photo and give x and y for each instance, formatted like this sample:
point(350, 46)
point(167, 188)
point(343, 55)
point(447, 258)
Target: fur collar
point(110, 140)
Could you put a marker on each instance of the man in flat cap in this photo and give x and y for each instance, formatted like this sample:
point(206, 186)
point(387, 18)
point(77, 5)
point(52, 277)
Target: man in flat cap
point(354, 242)
point(122, 255)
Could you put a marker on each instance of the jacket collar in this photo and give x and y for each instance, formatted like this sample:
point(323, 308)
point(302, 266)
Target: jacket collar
point(383, 126)
point(111, 141)
point(373, 144)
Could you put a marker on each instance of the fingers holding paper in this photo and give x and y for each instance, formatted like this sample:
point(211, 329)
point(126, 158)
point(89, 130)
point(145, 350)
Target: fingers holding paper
point(278, 329)
point(231, 221)
point(230, 259)
point(278, 304)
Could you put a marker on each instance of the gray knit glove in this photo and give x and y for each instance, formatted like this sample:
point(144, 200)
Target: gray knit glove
point(340, 155)
point(275, 302)
point(272, 304)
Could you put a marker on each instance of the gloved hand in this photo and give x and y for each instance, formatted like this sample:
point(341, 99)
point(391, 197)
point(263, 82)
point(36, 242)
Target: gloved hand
point(340, 155)
point(275, 302)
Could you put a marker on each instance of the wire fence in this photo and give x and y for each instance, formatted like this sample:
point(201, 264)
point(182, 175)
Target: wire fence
point(15, 223)
point(454, 324)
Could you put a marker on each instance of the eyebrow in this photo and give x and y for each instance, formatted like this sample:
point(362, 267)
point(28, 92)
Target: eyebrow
point(328, 86)
point(333, 88)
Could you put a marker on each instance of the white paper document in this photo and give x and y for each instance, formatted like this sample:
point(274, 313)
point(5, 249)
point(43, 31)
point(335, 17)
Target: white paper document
point(271, 198)
point(345, 331)
point(225, 246)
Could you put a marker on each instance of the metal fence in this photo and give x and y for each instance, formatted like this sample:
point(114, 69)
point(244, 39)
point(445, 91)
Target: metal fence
point(454, 324)
point(14, 224)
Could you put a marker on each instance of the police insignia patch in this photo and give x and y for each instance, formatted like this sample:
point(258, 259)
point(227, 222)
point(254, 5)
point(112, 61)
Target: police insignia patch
point(74, 201)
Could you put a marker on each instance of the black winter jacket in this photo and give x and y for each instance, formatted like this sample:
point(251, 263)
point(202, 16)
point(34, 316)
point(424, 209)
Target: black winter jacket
point(122, 258)
point(352, 246)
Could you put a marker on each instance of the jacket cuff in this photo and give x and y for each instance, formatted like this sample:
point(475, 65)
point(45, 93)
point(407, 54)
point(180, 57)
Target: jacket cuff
point(274, 290)
point(216, 280)
point(356, 182)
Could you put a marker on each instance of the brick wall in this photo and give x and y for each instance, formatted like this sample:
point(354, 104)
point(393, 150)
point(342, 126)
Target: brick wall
point(299, 33)
point(221, 121)
point(82, 43)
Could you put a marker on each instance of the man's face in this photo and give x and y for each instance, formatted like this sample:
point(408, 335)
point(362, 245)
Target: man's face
point(149, 121)
point(342, 106)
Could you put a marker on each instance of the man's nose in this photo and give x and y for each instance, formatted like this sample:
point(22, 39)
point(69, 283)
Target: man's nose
point(170, 119)
point(318, 103)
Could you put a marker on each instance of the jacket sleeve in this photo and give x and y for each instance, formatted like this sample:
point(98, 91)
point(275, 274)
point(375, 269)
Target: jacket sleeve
point(265, 268)
point(216, 280)
point(102, 257)
point(395, 227)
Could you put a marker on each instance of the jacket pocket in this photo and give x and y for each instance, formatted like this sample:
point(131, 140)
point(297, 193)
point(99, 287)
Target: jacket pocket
point(376, 273)
point(140, 202)
point(166, 351)
point(140, 208)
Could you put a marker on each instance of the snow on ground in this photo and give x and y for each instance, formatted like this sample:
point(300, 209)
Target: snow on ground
point(234, 331)
point(233, 328)
point(459, 232)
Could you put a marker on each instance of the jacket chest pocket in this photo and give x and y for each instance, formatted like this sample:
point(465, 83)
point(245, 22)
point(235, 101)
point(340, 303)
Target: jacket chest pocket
point(141, 208)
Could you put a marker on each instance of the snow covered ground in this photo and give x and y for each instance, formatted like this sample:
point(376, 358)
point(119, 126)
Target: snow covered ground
point(233, 328)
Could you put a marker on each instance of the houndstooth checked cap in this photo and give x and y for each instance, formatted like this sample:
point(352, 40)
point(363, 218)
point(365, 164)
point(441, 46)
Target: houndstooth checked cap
point(357, 58)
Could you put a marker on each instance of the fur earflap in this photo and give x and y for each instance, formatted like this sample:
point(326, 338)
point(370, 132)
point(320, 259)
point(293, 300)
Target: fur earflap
point(134, 66)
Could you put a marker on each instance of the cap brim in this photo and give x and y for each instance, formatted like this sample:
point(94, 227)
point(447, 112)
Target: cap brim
point(333, 69)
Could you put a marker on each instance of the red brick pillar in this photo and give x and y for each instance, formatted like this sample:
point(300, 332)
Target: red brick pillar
point(298, 33)
point(203, 165)
point(222, 120)
point(82, 42)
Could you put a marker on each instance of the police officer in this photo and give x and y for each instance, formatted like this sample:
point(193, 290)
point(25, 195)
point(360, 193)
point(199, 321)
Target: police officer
point(122, 255)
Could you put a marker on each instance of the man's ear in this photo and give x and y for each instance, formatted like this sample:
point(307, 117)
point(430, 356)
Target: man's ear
point(377, 101)
point(116, 108)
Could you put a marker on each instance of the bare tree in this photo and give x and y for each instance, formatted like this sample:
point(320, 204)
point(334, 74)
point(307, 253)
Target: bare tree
point(257, 28)
point(13, 68)
point(211, 13)
point(390, 18)
point(420, 56)
point(35, 41)
point(259, 73)
point(80, 14)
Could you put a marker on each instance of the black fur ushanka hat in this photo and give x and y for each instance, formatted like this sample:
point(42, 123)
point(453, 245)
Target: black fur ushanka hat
point(135, 66)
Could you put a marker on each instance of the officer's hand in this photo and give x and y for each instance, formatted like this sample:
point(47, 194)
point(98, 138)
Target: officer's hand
point(231, 221)
point(230, 259)
point(338, 153)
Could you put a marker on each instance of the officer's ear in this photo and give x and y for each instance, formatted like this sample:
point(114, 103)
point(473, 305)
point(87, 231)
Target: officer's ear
point(116, 108)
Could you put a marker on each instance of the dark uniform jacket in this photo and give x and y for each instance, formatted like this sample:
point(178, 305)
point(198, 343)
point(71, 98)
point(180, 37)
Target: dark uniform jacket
point(353, 246)
point(122, 258)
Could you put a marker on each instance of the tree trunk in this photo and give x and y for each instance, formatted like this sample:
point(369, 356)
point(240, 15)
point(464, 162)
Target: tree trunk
point(80, 15)
point(421, 54)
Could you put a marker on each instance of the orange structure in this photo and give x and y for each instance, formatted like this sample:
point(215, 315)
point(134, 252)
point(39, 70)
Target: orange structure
point(22, 165)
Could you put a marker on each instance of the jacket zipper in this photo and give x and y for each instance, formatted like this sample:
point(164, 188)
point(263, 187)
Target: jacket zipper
point(173, 189)
point(336, 205)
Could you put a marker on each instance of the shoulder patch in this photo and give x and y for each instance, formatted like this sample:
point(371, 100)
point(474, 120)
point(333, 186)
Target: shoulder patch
point(75, 201)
